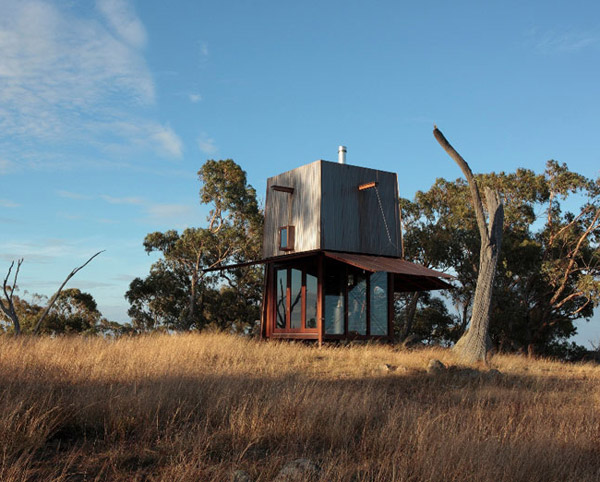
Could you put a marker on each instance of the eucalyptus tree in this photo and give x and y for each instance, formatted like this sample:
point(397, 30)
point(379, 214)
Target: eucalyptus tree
point(232, 234)
point(473, 345)
point(548, 272)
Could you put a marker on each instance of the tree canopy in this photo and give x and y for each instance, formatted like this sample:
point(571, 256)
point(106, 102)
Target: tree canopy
point(549, 269)
point(179, 293)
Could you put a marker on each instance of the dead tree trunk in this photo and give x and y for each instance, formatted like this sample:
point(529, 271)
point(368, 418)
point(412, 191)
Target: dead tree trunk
point(473, 345)
point(9, 308)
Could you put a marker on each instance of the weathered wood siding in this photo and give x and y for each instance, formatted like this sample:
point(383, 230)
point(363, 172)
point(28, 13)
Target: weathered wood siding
point(305, 212)
point(352, 220)
point(329, 212)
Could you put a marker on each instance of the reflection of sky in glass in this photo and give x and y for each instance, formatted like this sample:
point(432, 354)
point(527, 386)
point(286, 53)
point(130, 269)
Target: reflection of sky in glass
point(334, 304)
point(379, 304)
point(296, 300)
point(357, 305)
point(311, 301)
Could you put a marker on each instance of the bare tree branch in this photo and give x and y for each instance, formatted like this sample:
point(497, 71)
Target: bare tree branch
point(55, 297)
point(568, 270)
point(9, 309)
point(473, 345)
point(464, 167)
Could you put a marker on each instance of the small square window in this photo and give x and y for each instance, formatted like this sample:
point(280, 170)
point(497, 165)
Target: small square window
point(286, 238)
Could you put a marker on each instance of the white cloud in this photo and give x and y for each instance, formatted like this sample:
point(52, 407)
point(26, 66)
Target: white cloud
point(122, 200)
point(73, 195)
point(7, 203)
point(167, 141)
point(123, 20)
point(42, 251)
point(169, 211)
point(207, 144)
point(204, 49)
point(548, 42)
point(66, 78)
point(6, 166)
point(195, 98)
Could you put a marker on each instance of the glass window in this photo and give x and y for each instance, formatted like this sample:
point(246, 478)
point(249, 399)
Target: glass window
point(311, 301)
point(357, 303)
point(281, 307)
point(286, 238)
point(334, 288)
point(296, 300)
point(379, 303)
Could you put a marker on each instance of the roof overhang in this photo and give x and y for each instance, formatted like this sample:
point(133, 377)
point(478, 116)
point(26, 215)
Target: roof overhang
point(407, 276)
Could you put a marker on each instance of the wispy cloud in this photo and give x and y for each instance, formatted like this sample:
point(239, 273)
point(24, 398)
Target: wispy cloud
point(43, 251)
point(7, 203)
point(168, 141)
point(64, 77)
point(122, 19)
point(7, 166)
point(204, 49)
point(195, 98)
point(162, 212)
point(552, 41)
point(74, 195)
point(207, 144)
point(152, 212)
point(122, 200)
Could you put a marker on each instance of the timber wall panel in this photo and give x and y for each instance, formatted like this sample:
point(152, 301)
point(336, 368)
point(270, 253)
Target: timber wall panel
point(352, 220)
point(329, 212)
point(305, 212)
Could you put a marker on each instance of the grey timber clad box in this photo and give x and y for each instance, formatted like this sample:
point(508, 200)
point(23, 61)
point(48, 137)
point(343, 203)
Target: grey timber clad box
point(328, 211)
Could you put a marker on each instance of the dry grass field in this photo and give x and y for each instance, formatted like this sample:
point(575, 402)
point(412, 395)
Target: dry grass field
point(196, 407)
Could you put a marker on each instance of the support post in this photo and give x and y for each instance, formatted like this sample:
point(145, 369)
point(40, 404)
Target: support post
point(320, 281)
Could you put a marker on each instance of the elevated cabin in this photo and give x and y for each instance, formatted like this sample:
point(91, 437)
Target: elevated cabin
point(332, 250)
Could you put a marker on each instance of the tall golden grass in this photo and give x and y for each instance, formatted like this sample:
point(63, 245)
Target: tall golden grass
point(198, 406)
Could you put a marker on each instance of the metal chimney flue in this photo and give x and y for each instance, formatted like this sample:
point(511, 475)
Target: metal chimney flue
point(342, 154)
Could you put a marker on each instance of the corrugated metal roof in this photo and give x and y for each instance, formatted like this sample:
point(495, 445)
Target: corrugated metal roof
point(408, 276)
point(381, 263)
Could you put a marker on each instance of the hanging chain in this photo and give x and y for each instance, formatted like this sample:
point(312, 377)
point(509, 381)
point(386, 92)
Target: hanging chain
point(387, 230)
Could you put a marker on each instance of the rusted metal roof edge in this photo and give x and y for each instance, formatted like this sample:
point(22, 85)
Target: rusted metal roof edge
point(383, 263)
point(368, 262)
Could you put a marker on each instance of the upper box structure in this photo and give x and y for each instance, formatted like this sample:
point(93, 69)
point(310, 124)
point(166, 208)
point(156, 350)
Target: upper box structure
point(331, 206)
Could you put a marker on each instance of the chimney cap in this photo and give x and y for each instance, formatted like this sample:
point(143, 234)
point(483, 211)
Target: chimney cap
point(342, 154)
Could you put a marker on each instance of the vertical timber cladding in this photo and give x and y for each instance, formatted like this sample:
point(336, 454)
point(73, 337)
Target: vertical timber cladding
point(352, 220)
point(303, 213)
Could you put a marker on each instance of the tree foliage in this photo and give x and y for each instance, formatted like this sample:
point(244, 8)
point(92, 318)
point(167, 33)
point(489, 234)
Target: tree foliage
point(8, 310)
point(179, 293)
point(549, 270)
point(73, 312)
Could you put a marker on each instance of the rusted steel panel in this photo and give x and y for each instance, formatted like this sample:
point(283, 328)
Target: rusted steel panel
point(391, 265)
point(408, 276)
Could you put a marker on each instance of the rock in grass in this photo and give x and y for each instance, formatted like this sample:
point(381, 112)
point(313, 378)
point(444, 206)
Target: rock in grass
point(299, 470)
point(240, 476)
point(435, 366)
point(386, 367)
point(493, 374)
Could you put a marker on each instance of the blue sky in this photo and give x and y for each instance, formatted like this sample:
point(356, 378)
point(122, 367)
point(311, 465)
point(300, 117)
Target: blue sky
point(108, 109)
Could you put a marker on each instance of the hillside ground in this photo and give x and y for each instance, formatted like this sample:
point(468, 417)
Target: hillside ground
point(199, 406)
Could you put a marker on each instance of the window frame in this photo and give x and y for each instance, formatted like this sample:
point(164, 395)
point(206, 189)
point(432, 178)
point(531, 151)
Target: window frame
point(290, 238)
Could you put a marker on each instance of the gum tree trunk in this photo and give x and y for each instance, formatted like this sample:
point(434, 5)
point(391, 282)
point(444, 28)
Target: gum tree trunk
point(474, 344)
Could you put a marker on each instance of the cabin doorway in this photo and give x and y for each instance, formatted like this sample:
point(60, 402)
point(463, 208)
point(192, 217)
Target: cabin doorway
point(296, 298)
